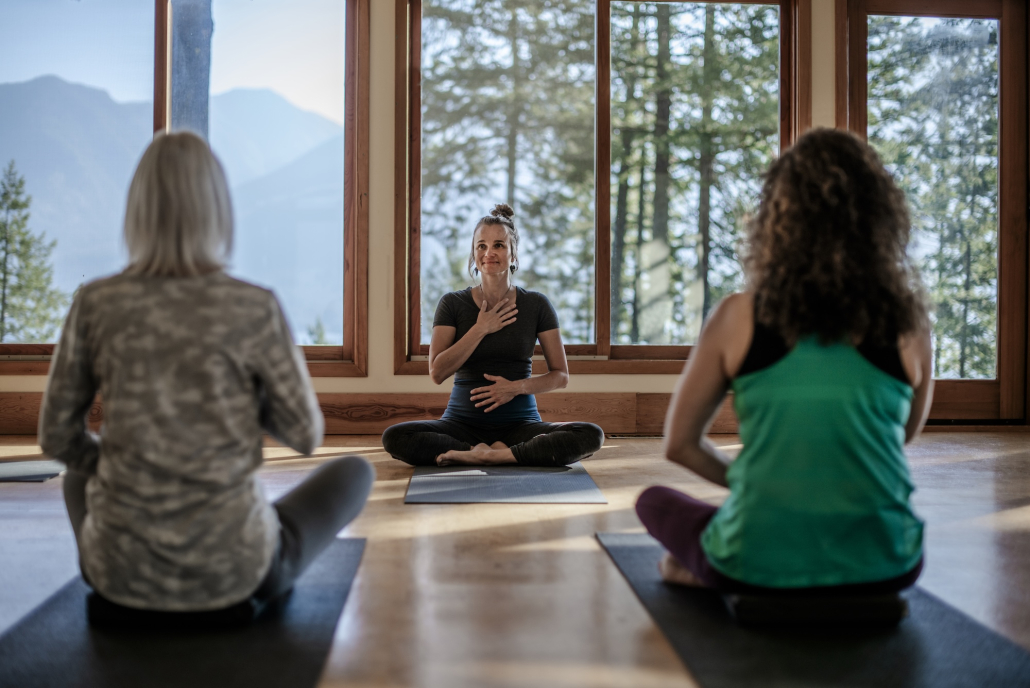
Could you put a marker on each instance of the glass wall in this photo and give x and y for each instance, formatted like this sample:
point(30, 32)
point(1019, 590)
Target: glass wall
point(933, 118)
point(508, 117)
point(265, 83)
point(75, 116)
point(695, 123)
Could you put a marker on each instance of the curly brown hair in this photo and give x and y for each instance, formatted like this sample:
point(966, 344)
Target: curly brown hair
point(827, 252)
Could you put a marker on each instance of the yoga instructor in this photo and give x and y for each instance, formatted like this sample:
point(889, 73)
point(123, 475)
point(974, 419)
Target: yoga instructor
point(484, 336)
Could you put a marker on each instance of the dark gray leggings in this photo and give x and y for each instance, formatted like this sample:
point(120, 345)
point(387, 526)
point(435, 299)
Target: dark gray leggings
point(419, 442)
point(310, 516)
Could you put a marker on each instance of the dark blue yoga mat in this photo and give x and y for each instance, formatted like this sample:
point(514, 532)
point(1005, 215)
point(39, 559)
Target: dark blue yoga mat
point(29, 471)
point(54, 645)
point(503, 484)
point(937, 646)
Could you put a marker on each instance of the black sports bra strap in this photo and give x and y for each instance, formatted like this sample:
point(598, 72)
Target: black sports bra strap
point(767, 347)
point(886, 358)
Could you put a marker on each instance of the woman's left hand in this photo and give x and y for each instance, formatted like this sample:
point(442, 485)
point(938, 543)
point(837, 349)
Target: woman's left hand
point(499, 393)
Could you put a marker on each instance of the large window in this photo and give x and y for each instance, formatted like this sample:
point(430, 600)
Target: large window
point(629, 137)
point(75, 116)
point(695, 123)
point(266, 86)
point(941, 97)
point(507, 114)
point(279, 89)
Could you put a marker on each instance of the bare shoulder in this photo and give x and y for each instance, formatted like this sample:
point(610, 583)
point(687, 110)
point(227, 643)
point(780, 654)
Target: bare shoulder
point(916, 352)
point(731, 313)
point(729, 329)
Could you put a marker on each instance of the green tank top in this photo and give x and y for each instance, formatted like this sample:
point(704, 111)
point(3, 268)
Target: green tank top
point(819, 495)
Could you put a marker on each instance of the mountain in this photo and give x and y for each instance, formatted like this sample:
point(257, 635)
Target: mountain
point(256, 131)
point(289, 236)
point(77, 149)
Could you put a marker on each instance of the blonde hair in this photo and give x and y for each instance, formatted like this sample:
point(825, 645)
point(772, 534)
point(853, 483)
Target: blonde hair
point(178, 219)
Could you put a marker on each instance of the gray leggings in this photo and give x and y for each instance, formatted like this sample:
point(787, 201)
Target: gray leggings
point(310, 516)
point(419, 442)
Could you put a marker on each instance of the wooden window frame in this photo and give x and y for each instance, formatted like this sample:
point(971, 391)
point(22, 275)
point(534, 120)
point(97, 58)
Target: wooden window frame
point(1003, 399)
point(601, 357)
point(350, 359)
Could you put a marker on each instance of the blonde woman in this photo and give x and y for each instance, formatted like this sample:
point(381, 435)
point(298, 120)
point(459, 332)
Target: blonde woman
point(192, 366)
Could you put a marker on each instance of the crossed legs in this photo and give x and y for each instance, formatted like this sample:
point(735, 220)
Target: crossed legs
point(422, 443)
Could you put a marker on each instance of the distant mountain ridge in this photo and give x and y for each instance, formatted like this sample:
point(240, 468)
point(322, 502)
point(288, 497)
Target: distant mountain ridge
point(256, 131)
point(77, 149)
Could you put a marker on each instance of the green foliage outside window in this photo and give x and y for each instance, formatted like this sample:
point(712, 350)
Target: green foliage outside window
point(508, 116)
point(933, 118)
point(695, 123)
point(30, 307)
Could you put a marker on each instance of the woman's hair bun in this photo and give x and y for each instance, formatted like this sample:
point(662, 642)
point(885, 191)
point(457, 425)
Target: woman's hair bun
point(503, 210)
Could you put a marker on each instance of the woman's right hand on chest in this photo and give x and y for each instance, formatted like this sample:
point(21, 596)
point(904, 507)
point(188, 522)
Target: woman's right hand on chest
point(496, 318)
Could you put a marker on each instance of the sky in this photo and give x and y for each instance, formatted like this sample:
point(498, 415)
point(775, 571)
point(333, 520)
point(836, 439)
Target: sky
point(293, 47)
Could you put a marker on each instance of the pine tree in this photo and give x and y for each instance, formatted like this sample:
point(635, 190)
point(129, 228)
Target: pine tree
point(933, 117)
point(316, 334)
point(30, 306)
point(507, 115)
point(695, 95)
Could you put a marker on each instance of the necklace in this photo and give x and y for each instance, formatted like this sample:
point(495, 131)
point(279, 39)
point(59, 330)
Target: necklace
point(482, 293)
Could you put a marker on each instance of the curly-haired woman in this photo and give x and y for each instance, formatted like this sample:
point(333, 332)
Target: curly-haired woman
point(484, 336)
point(828, 356)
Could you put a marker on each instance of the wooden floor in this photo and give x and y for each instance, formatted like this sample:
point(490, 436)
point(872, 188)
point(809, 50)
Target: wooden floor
point(522, 595)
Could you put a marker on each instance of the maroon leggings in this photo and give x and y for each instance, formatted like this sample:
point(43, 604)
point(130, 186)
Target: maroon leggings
point(677, 521)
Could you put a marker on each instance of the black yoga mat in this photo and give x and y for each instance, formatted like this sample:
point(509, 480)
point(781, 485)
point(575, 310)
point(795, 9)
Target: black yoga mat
point(504, 484)
point(29, 471)
point(54, 645)
point(936, 647)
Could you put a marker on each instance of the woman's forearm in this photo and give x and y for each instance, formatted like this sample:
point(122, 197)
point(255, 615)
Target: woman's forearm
point(447, 362)
point(554, 379)
point(702, 458)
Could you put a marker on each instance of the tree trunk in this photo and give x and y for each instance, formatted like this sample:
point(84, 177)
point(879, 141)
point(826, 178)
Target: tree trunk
point(514, 107)
point(622, 195)
point(967, 287)
point(638, 269)
point(4, 271)
point(192, 27)
point(709, 75)
point(655, 254)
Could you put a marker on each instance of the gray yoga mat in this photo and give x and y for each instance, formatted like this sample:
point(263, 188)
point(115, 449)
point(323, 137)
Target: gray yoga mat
point(503, 484)
point(54, 645)
point(29, 471)
point(936, 647)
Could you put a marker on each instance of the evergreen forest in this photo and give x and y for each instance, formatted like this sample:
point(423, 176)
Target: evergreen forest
point(507, 115)
point(933, 117)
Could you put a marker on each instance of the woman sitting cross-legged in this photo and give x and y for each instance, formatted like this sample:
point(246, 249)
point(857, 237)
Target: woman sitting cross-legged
point(828, 356)
point(192, 366)
point(485, 336)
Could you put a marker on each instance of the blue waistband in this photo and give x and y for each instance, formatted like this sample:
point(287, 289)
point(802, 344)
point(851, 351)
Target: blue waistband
point(461, 407)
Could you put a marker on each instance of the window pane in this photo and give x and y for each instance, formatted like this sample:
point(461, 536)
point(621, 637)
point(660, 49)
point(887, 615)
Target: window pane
point(933, 117)
point(508, 117)
point(76, 87)
point(695, 122)
point(266, 81)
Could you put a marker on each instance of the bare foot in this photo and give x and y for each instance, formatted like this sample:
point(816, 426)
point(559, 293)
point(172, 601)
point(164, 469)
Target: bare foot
point(479, 455)
point(674, 572)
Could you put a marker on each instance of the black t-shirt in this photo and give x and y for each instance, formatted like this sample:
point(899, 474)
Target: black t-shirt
point(507, 352)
